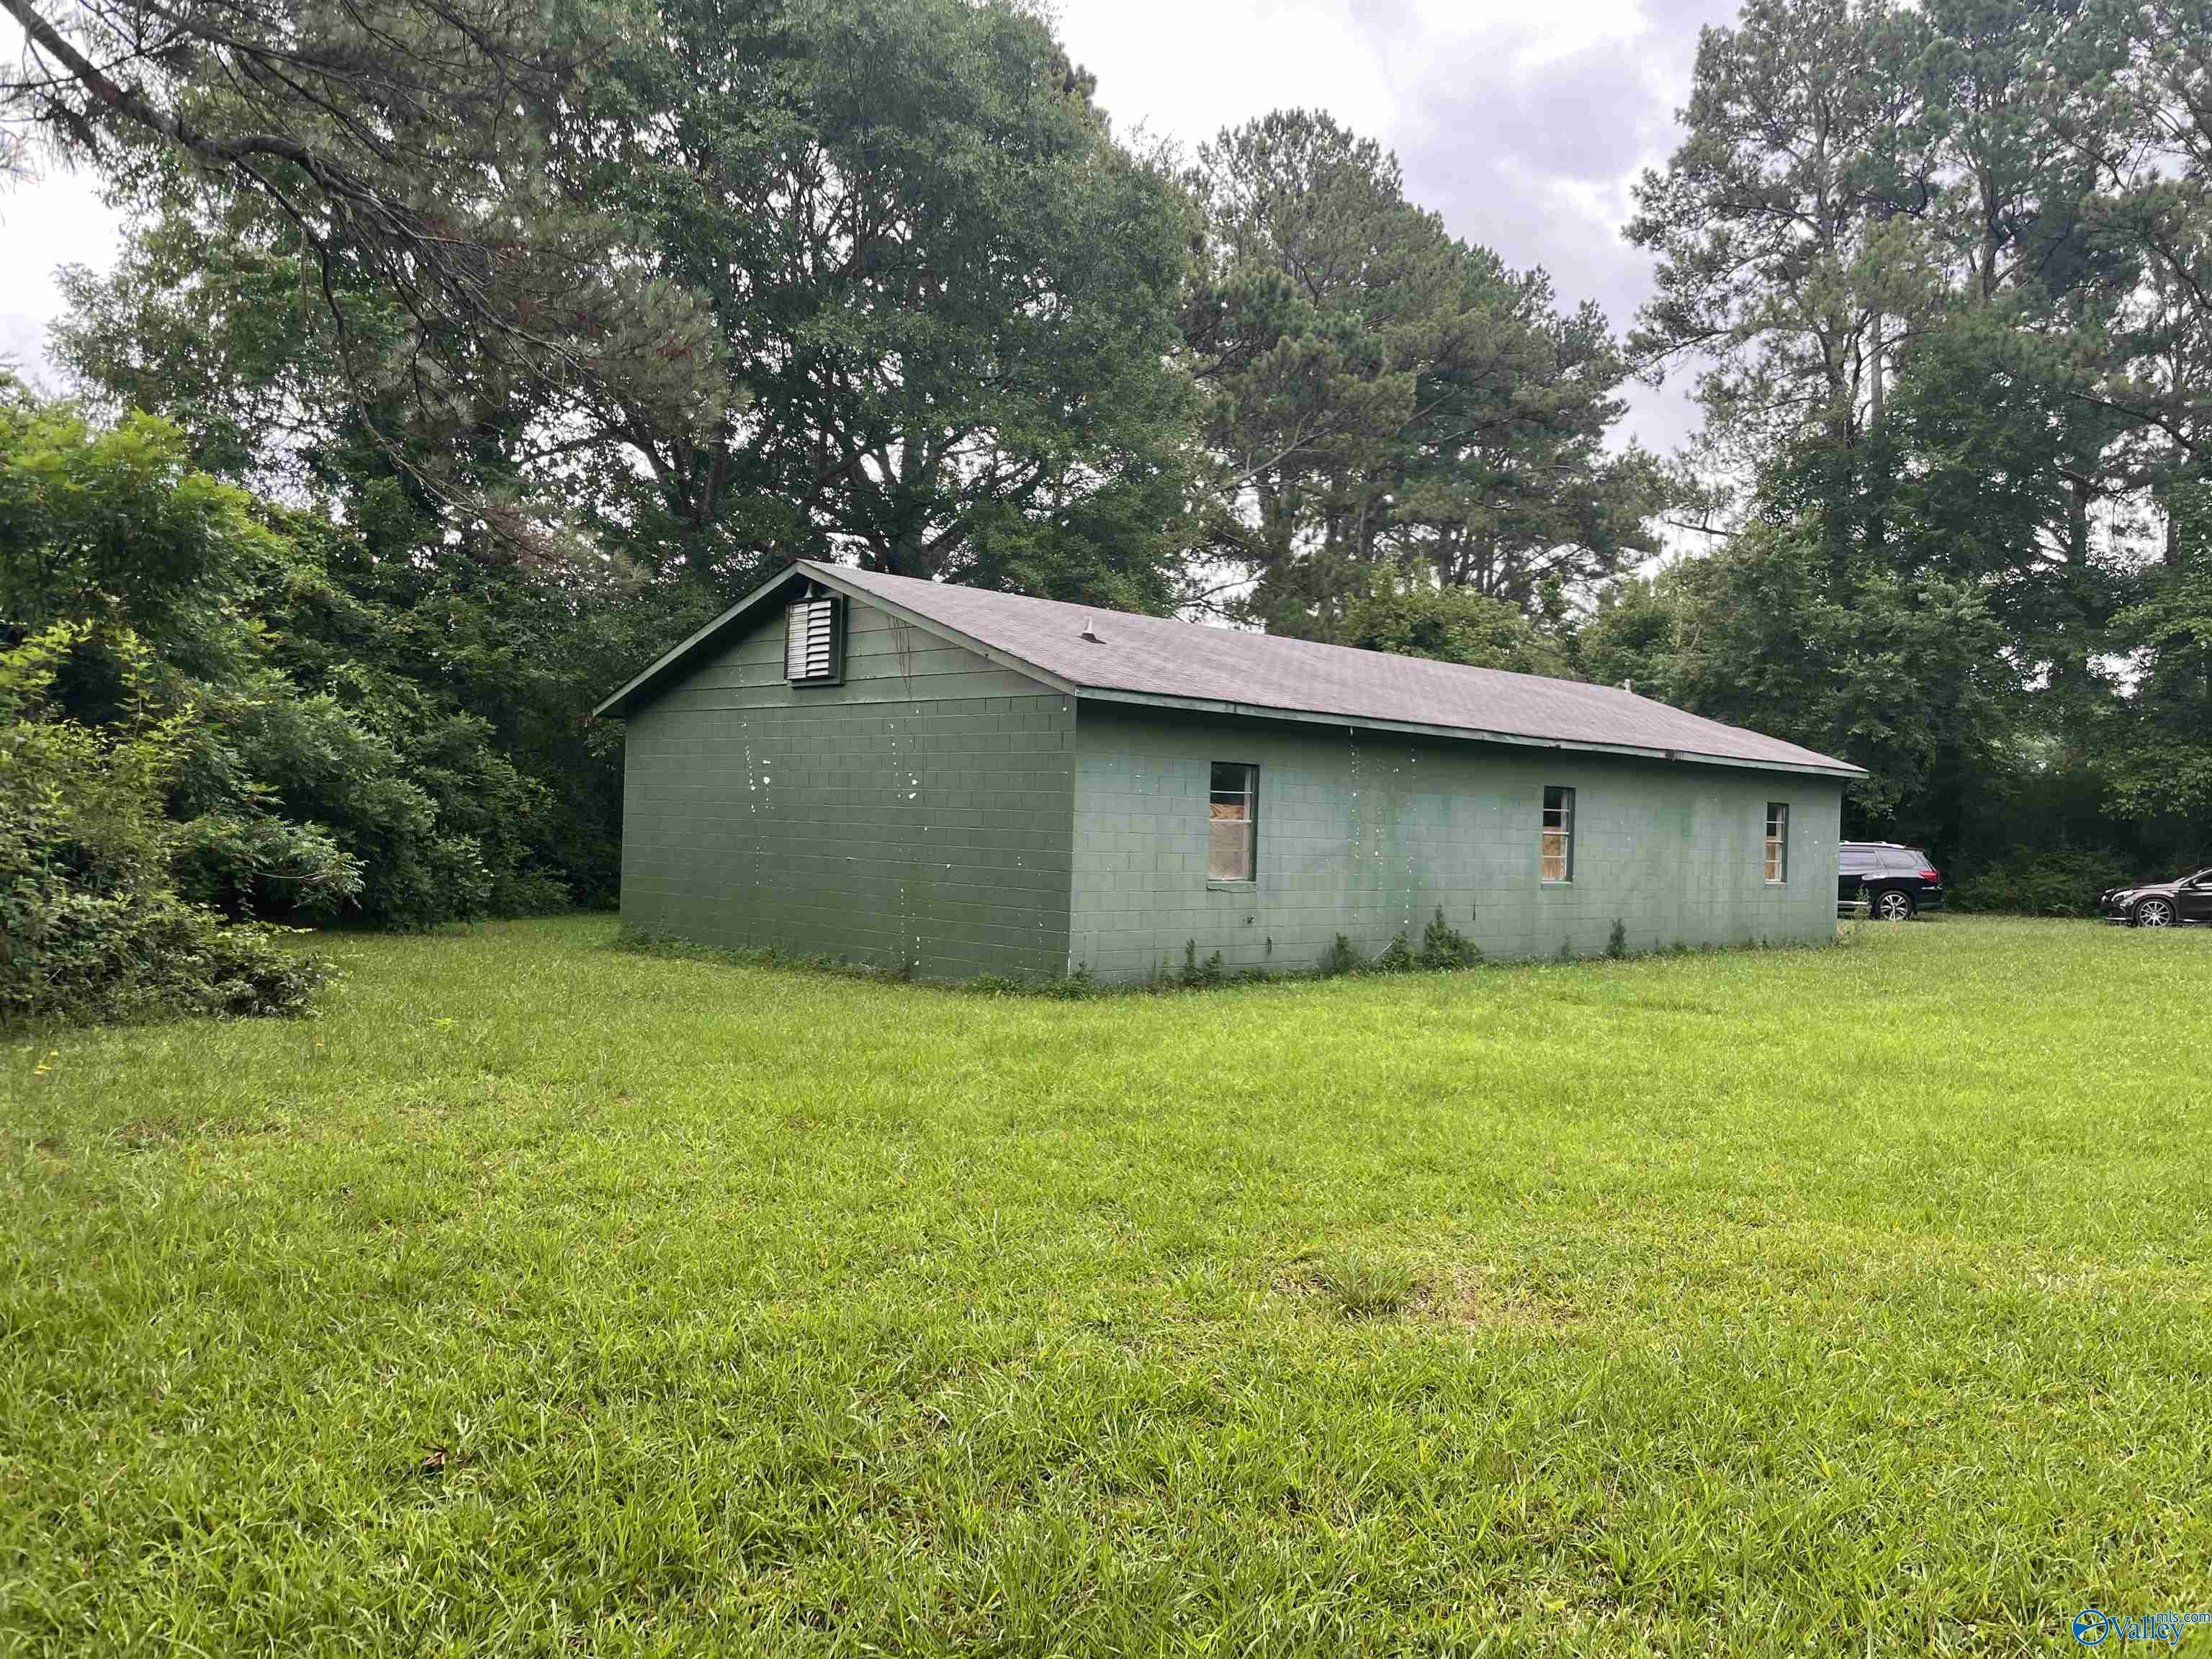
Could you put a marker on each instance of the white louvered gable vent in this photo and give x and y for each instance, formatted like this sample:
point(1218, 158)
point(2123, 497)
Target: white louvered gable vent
point(811, 642)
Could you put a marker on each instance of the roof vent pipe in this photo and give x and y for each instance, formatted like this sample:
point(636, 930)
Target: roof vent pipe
point(1090, 634)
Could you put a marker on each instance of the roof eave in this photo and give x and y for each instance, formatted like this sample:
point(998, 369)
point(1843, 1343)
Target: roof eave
point(1462, 733)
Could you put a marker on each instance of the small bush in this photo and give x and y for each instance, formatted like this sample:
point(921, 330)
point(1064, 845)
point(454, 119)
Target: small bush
point(83, 956)
point(2058, 882)
point(1445, 946)
point(1616, 943)
point(1061, 987)
point(1212, 971)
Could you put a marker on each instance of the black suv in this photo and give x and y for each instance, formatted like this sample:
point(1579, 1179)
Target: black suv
point(1896, 882)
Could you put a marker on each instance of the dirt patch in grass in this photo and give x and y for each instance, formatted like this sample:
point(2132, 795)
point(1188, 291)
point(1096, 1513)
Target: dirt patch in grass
point(141, 1133)
point(1375, 1287)
point(1483, 1296)
point(146, 1135)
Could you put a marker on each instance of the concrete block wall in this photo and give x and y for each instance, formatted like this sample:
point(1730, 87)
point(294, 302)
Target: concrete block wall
point(921, 813)
point(1367, 834)
point(937, 810)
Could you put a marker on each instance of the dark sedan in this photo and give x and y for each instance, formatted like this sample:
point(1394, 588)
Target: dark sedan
point(2159, 903)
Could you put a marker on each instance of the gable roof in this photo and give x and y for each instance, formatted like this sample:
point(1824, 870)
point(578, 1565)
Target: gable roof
point(1162, 662)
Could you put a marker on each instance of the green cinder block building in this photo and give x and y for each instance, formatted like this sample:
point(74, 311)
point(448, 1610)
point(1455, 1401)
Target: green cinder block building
point(910, 773)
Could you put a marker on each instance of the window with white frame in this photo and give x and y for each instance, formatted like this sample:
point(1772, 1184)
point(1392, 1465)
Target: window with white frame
point(1558, 835)
point(1777, 842)
point(1232, 848)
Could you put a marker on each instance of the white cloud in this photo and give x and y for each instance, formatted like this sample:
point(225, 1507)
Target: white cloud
point(1185, 69)
point(1541, 31)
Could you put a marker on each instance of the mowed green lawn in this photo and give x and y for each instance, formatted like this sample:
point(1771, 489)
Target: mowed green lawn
point(544, 1298)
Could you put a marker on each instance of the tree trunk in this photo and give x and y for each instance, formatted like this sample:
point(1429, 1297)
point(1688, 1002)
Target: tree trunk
point(1874, 365)
point(2069, 673)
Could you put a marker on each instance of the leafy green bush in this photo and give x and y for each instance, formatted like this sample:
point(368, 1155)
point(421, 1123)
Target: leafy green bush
point(1395, 958)
point(1445, 947)
point(91, 925)
point(1195, 973)
point(2060, 882)
point(76, 955)
point(1077, 986)
point(321, 771)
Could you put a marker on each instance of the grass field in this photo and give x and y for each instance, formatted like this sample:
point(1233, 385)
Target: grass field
point(542, 1298)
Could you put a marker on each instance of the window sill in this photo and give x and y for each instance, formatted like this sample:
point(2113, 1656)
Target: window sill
point(1569, 882)
point(1224, 884)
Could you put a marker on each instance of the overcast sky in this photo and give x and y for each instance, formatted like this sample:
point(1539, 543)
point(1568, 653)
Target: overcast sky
point(1522, 122)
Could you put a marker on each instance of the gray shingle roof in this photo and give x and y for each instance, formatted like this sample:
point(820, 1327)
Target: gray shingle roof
point(1155, 659)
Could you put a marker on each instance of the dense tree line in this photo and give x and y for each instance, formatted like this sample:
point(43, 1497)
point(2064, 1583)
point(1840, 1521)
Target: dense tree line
point(461, 354)
point(1944, 269)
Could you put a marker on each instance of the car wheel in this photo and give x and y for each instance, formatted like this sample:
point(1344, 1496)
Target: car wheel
point(1893, 904)
point(2154, 913)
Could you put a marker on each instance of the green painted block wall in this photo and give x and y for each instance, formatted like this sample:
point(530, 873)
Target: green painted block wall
point(1366, 833)
point(921, 813)
point(940, 811)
